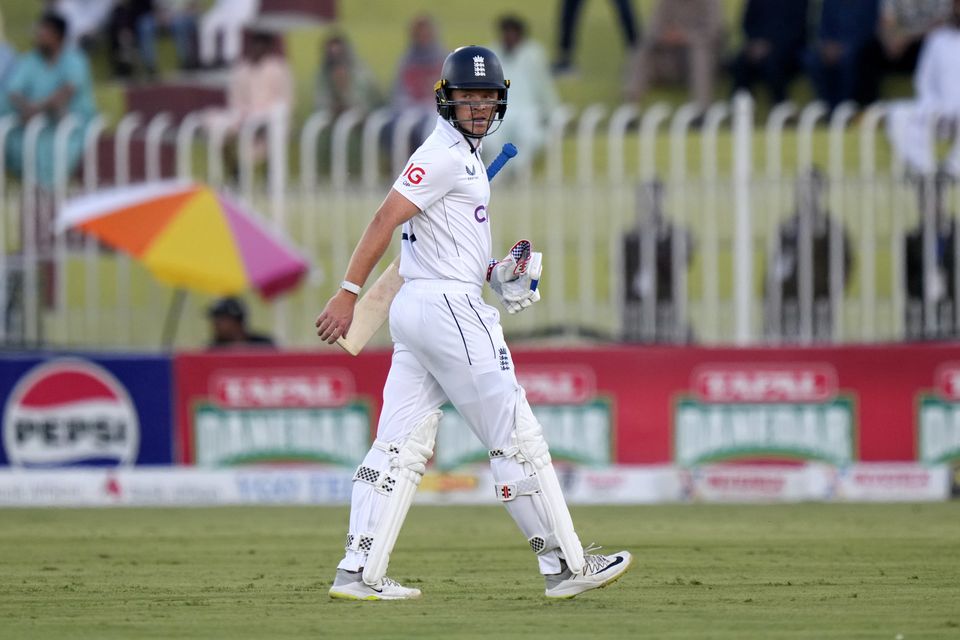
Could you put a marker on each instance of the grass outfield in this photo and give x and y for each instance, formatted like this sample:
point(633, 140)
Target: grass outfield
point(805, 571)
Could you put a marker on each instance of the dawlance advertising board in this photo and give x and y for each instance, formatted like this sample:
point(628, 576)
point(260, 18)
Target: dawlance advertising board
point(938, 419)
point(753, 411)
point(80, 411)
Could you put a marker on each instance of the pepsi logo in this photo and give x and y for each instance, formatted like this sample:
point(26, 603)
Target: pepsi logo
point(70, 412)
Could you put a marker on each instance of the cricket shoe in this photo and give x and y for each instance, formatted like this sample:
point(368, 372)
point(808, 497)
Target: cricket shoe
point(598, 571)
point(349, 585)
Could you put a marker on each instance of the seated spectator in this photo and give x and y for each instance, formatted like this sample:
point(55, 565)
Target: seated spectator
point(775, 35)
point(913, 125)
point(52, 80)
point(228, 323)
point(939, 285)
point(131, 31)
point(224, 22)
point(903, 26)
point(783, 310)
point(685, 40)
point(532, 95)
point(344, 81)
point(837, 60)
point(648, 259)
point(416, 74)
point(261, 86)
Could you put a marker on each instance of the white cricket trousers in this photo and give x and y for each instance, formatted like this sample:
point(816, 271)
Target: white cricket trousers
point(448, 345)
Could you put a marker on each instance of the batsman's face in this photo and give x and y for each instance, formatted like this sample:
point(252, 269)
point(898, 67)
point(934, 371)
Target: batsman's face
point(475, 108)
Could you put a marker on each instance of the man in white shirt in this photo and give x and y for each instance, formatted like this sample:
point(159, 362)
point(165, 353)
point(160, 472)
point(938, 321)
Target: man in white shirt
point(449, 346)
point(912, 125)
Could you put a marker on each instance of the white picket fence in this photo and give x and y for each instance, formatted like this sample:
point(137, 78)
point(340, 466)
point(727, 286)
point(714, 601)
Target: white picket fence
point(727, 181)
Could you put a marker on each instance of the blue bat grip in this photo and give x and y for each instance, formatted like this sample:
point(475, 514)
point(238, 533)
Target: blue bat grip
point(507, 152)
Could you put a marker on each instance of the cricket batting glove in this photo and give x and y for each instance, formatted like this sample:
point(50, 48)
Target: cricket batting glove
point(516, 278)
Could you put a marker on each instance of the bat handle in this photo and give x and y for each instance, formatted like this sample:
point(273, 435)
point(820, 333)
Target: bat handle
point(507, 152)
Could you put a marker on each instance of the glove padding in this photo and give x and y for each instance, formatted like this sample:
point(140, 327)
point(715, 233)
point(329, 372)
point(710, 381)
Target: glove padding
point(515, 278)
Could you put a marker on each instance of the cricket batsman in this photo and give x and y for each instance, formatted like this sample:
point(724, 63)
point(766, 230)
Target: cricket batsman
point(449, 346)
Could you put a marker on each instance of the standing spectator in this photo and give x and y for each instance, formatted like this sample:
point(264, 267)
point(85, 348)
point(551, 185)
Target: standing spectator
point(53, 80)
point(648, 251)
point(811, 225)
point(775, 35)
point(532, 92)
point(261, 86)
point(8, 57)
point(181, 18)
point(939, 285)
point(685, 40)
point(132, 34)
point(413, 86)
point(344, 81)
point(936, 109)
point(419, 68)
point(225, 21)
point(903, 26)
point(84, 18)
point(836, 61)
point(570, 12)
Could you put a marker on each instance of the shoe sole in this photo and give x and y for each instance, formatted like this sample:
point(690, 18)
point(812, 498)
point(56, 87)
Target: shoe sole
point(340, 595)
point(599, 586)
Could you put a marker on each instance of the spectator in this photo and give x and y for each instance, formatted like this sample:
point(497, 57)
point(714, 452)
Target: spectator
point(939, 289)
point(685, 40)
point(181, 17)
point(775, 35)
point(84, 18)
point(132, 35)
point(228, 323)
point(836, 61)
point(419, 68)
point(8, 57)
point(225, 22)
point(532, 95)
point(812, 223)
point(911, 125)
point(903, 26)
point(418, 71)
point(52, 80)
point(261, 86)
point(570, 12)
point(344, 81)
point(178, 16)
point(648, 251)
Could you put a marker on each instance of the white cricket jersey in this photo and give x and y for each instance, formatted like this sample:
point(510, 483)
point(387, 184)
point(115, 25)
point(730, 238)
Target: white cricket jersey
point(450, 238)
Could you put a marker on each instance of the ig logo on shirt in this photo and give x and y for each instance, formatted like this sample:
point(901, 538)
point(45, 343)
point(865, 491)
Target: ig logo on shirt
point(413, 175)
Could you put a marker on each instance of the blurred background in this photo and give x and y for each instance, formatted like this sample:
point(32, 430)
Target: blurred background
point(747, 209)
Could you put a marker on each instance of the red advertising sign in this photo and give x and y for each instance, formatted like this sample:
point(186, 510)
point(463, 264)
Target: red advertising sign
point(650, 405)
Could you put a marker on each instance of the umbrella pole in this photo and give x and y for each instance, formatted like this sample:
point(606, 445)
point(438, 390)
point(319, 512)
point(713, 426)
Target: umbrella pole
point(173, 317)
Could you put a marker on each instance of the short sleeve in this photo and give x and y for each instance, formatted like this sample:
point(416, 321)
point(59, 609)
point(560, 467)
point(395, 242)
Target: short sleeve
point(428, 176)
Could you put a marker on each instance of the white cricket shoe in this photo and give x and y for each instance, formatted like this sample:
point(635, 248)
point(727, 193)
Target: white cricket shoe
point(598, 571)
point(349, 585)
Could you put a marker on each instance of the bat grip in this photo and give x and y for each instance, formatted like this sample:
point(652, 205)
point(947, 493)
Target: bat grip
point(508, 151)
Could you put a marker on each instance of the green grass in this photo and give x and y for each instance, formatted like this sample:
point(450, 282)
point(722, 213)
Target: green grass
point(804, 571)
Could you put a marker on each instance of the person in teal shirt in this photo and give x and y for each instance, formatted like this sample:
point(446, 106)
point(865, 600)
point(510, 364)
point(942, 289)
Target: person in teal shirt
point(53, 80)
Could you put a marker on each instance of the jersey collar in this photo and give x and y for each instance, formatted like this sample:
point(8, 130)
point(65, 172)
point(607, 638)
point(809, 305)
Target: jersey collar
point(452, 135)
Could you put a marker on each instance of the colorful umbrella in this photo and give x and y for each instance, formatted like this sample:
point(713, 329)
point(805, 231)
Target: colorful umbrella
point(189, 236)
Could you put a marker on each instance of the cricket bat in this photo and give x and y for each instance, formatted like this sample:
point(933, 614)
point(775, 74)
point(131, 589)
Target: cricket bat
point(373, 308)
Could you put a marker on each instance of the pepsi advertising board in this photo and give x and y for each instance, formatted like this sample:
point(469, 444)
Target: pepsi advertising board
point(75, 410)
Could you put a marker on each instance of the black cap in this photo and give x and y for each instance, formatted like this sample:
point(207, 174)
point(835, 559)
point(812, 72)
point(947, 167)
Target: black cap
point(228, 307)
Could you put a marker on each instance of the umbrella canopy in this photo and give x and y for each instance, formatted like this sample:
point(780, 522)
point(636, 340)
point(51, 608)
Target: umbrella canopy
point(189, 236)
